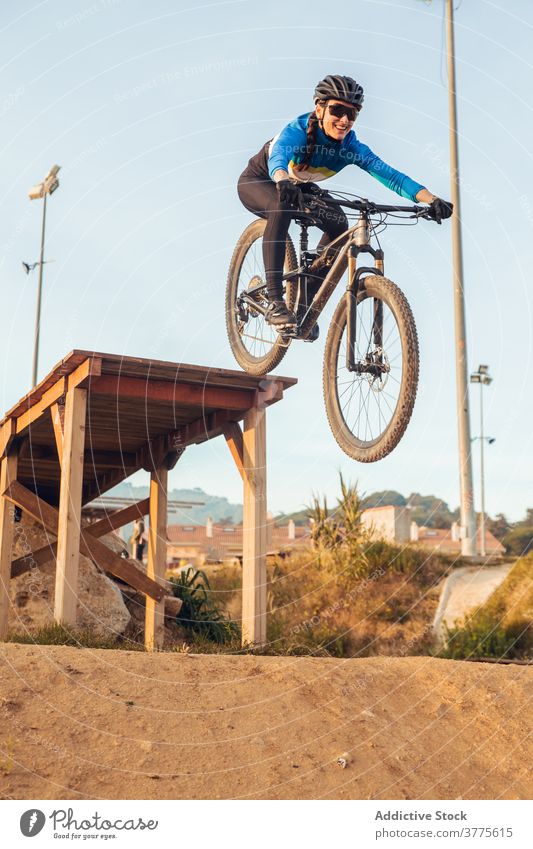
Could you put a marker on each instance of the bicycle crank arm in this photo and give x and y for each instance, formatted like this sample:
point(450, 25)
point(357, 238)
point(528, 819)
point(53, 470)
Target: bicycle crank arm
point(250, 300)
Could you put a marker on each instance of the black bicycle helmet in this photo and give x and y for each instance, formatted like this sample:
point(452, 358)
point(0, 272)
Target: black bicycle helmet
point(337, 87)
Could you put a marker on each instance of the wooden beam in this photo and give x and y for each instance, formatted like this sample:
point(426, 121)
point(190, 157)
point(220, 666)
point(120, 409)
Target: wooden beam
point(152, 455)
point(83, 375)
point(108, 561)
point(184, 394)
point(69, 516)
point(34, 506)
point(36, 410)
point(233, 436)
point(99, 553)
point(57, 411)
point(157, 557)
point(254, 528)
point(118, 518)
point(200, 430)
point(7, 435)
point(36, 559)
point(115, 520)
point(270, 392)
point(8, 474)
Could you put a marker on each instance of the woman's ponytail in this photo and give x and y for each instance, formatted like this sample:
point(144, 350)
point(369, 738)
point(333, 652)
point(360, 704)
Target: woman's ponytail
point(312, 127)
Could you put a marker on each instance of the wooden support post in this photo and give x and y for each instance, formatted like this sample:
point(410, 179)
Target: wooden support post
point(8, 475)
point(69, 519)
point(254, 528)
point(157, 557)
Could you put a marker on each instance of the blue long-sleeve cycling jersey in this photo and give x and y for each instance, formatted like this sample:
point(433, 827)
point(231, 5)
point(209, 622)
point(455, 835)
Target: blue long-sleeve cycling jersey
point(287, 149)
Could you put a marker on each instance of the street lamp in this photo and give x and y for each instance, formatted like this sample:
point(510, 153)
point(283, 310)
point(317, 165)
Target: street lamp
point(41, 190)
point(482, 377)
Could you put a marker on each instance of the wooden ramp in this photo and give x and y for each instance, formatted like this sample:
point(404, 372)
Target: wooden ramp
point(98, 418)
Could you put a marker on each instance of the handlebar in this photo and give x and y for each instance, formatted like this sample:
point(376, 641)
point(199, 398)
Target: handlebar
point(363, 205)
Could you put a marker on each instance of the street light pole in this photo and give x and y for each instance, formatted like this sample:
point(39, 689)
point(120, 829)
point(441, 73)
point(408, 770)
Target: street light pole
point(482, 377)
point(482, 439)
point(48, 186)
point(468, 519)
point(38, 308)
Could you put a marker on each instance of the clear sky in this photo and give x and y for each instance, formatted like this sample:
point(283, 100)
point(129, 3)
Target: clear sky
point(153, 109)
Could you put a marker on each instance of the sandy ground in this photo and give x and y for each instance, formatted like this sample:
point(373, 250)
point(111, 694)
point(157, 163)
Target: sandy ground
point(83, 723)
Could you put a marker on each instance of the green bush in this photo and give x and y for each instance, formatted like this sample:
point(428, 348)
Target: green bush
point(198, 612)
point(483, 637)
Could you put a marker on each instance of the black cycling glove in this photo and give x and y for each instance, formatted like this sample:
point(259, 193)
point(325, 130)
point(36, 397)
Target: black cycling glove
point(289, 192)
point(439, 209)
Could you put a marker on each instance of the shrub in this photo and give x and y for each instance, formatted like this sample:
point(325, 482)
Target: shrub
point(198, 612)
point(481, 637)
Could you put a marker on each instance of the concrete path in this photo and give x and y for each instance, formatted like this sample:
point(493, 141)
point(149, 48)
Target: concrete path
point(464, 590)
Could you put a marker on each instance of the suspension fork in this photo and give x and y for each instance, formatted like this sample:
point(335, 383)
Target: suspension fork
point(355, 282)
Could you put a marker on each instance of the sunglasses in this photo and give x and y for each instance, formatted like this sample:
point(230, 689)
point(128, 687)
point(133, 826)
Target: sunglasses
point(338, 111)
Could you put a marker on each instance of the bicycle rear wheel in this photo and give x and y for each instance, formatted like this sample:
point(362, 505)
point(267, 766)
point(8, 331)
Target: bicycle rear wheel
point(368, 410)
point(256, 346)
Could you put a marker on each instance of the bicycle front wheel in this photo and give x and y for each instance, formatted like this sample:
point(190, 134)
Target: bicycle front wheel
point(256, 346)
point(369, 409)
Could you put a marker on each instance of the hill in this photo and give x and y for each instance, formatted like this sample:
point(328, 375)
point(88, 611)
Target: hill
point(426, 510)
point(215, 506)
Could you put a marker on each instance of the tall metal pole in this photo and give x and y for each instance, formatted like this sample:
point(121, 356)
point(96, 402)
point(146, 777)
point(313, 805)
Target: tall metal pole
point(38, 309)
point(468, 518)
point(482, 441)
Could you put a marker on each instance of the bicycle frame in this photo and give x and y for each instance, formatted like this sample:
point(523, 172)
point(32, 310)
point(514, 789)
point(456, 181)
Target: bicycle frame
point(357, 240)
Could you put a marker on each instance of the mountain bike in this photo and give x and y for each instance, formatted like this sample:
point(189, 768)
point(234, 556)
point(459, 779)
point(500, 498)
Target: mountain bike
point(371, 363)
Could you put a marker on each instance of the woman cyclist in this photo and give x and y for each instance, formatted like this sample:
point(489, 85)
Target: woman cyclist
point(313, 147)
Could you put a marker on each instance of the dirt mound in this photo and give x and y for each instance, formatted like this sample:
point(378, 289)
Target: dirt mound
point(83, 723)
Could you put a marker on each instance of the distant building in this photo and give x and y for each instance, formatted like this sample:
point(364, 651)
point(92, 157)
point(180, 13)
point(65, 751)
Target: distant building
point(448, 540)
point(393, 524)
point(210, 543)
point(389, 522)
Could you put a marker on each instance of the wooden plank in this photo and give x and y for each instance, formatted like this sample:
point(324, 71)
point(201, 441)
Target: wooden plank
point(115, 520)
point(179, 394)
point(119, 518)
point(157, 557)
point(36, 559)
point(36, 410)
point(254, 528)
point(57, 411)
point(69, 516)
point(99, 553)
point(234, 440)
point(109, 561)
point(34, 506)
point(8, 474)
